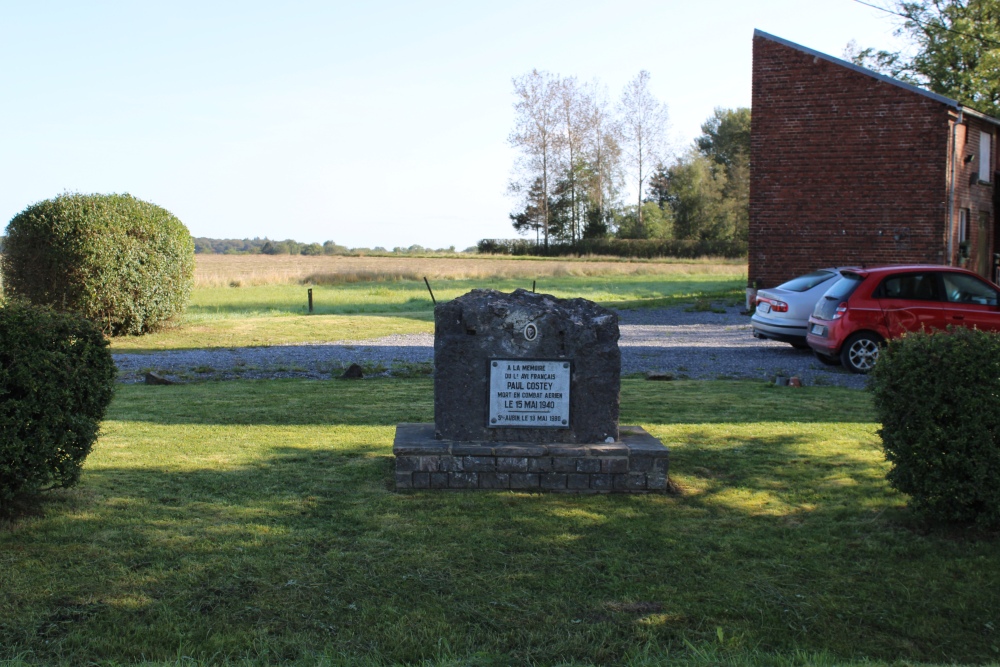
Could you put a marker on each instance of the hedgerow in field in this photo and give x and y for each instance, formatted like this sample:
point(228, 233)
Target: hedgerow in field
point(123, 263)
point(56, 381)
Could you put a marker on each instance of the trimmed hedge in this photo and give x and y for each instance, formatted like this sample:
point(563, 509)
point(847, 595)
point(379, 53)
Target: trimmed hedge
point(637, 248)
point(937, 396)
point(56, 381)
point(123, 263)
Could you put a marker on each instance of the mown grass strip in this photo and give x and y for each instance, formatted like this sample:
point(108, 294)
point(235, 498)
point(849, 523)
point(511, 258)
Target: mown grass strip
point(256, 521)
point(268, 331)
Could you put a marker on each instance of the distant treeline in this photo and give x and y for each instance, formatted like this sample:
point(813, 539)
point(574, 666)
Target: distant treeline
point(637, 248)
point(265, 246)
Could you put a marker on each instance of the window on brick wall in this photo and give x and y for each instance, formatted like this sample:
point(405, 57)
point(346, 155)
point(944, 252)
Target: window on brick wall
point(985, 156)
point(963, 225)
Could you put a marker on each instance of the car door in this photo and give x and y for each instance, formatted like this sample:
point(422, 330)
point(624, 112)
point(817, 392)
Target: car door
point(970, 302)
point(910, 301)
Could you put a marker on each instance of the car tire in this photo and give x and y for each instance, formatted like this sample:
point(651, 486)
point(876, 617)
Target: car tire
point(827, 360)
point(860, 352)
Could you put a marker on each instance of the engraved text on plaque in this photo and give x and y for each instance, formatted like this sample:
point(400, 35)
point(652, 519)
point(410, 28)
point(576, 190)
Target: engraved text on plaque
point(531, 393)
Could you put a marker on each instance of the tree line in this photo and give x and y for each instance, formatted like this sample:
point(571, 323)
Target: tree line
point(579, 153)
point(265, 246)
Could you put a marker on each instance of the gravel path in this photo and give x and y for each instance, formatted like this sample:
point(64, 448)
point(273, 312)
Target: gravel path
point(697, 345)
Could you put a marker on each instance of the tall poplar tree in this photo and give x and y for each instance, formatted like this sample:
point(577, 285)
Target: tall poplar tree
point(537, 136)
point(603, 161)
point(573, 118)
point(643, 133)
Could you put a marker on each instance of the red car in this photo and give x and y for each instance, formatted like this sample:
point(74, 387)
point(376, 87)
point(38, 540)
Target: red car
point(868, 306)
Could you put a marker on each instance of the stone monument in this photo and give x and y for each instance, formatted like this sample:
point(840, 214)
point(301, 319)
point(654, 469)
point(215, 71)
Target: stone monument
point(526, 396)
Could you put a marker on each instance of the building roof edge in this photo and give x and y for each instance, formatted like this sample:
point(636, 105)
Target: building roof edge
point(947, 101)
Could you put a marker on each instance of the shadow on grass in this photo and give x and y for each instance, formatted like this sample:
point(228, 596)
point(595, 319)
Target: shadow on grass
point(308, 550)
point(783, 540)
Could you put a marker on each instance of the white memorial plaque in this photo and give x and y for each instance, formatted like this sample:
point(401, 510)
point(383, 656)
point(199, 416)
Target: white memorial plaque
point(529, 393)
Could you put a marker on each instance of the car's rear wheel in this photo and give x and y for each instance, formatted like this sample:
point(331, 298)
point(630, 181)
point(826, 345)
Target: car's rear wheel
point(827, 360)
point(860, 352)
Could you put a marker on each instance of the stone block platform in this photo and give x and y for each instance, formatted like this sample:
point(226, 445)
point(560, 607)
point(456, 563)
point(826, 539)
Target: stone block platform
point(637, 463)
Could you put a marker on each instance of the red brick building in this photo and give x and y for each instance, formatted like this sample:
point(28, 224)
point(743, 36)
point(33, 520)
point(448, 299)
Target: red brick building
point(850, 167)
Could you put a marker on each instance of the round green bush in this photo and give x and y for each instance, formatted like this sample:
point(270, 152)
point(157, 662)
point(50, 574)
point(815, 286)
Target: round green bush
point(56, 381)
point(937, 396)
point(125, 264)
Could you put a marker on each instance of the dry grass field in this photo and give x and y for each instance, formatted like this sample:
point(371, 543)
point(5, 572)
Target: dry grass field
point(251, 270)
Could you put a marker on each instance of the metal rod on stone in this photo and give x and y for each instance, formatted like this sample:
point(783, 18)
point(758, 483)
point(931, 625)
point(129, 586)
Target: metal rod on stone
point(532, 286)
point(310, 301)
point(433, 300)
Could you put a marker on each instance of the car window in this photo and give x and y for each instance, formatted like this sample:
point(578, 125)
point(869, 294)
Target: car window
point(807, 282)
point(909, 286)
point(839, 292)
point(960, 288)
point(844, 287)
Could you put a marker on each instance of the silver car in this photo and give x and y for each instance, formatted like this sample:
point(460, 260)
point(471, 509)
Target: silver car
point(782, 312)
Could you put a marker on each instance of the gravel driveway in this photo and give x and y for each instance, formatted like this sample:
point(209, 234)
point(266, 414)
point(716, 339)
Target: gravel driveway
point(697, 345)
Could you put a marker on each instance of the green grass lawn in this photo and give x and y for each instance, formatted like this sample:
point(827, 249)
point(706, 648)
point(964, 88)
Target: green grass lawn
point(278, 315)
point(256, 521)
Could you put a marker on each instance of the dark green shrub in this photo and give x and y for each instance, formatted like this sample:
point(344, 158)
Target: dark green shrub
point(938, 398)
point(123, 263)
point(56, 380)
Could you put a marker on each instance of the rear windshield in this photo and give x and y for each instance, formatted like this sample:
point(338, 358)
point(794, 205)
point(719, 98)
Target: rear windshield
point(838, 293)
point(807, 282)
point(844, 287)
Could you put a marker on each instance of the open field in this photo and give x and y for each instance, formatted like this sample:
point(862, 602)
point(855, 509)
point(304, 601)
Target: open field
point(256, 521)
point(249, 270)
point(271, 308)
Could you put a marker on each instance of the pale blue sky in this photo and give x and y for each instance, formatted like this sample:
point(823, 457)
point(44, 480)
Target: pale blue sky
point(381, 123)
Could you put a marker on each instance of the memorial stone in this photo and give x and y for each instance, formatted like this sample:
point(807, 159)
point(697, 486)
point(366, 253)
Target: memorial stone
point(525, 353)
point(526, 396)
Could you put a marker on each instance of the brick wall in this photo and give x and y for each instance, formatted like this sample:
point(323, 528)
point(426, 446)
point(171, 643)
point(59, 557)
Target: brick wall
point(975, 197)
point(845, 168)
